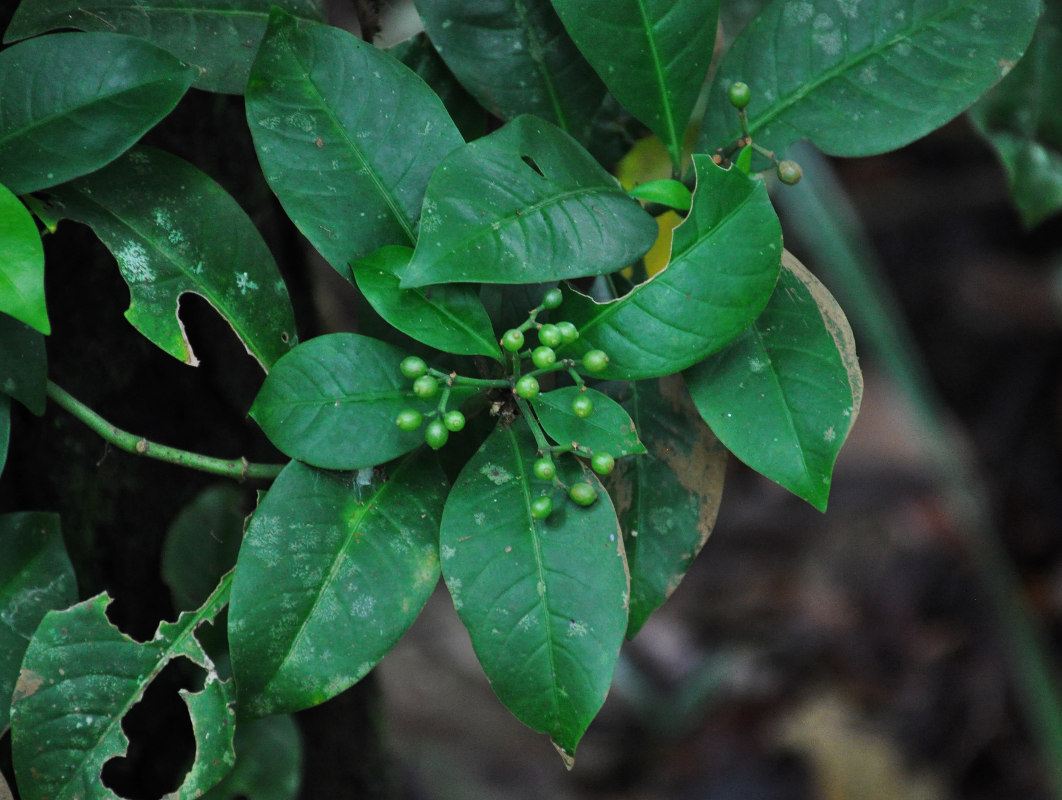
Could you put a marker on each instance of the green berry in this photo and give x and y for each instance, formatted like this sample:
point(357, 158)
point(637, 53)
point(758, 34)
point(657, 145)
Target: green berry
point(512, 340)
point(740, 94)
point(582, 406)
point(541, 507)
point(408, 419)
point(544, 469)
point(569, 333)
point(543, 357)
point(454, 420)
point(413, 367)
point(550, 335)
point(552, 298)
point(789, 172)
point(595, 360)
point(436, 434)
point(425, 386)
point(527, 387)
point(602, 463)
point(583, 494)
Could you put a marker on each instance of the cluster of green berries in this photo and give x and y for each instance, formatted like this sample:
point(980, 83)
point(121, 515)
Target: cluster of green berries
point(789, 172)
point(426, 386)
point(581, 493)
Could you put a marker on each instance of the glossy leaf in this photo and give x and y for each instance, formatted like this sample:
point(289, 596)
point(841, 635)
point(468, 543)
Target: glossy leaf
point(333, 570)
point(515, 58)
point(543, 600)
point(783, 397)
point(525, 205)
point(346, 135)
point(173, 230)
point(268, 762)
point(609, 428)
point(22, 264)
point(665, 191)
point(35, 577)
point(1022, 118)
point(81, 676)
point(333, 400)
point(859, 77)
point(114, 89)
point(724, 263)
point(23, 364)
point(667, 500)
point(449, 318)
point(653, 56)
point(217, 37)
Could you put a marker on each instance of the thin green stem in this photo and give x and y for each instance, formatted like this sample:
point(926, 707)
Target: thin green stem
point(240, 468)
point(532, 423)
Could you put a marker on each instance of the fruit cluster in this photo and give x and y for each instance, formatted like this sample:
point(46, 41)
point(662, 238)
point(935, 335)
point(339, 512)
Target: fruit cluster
point(740, 95)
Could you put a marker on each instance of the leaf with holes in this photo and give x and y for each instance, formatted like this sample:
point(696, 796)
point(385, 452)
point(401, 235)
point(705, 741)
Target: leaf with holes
point(333, 570)
point(783, 397)
point(346, 135)
point(666, 47)
point(515, 58)
point(114, 90)
point(22, 265)
point(268, 762)
point(35, 577)
point(23, 364)
point(217, 37)
point(667, 500)
point(859, 77)
point(174, 230)
point(81, 676)
point(545, 601)
point(525, 204)
point(608, 429)
point(724, 263)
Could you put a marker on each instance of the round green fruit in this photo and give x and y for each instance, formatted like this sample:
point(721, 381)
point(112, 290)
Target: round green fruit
point(602, 463)
point(552, 298)
point(739, 94)
point(544, 469)
point(413, 367)
point(543, 357)
point(436, 434)
point(425, 386)
point(541, 507)
point(595, 360)
point(789, 172)
point(512, 340)
point(582, 406)
point(550, 335)
point(454, 421)
point(582, 494)
point(527, 387)
point(569, 333)
point(408, 419)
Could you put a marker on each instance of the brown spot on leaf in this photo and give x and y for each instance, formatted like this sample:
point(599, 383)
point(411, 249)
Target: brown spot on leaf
point(28, 684)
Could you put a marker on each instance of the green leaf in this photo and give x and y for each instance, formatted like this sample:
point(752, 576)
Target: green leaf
point(859, 77)
point(23, 364)
point(173, 230)
point(35, 577)
point(217, 37)
point(666, 191)
point(114, 89)
point(346, 135)
point(449, 318)
point(543, 600)
point(81, 676)
point(525, 205)
point(22, 264)
point(668, 499)
point(268, 762)
point(608, 429)
point(201, 544)
point(724, 263)
point(1022, 119)
point(783, 397)
point(333, 570)
point(5, 431)
point(515, 58)
point(333, 400)
point(653, 56)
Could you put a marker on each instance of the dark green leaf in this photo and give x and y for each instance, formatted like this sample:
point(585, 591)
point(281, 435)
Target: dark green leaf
point(347, 137)
point(525, 205)
point(22, 264)
point(174, 230)
point(333, 570)
point(653, 56)
point(5, 430)
point(81, 676)
point(515, 58)
point(333, 400)
point(1022, 118)
point(35, 577)
point(268, 762)
point(608, 429)
point(667, 500)
point(724, 263)
point(449, 318)
point(543, 600)
point(783, 397)
point(23, 364)
point(113, 89)
point(858, 77)
point(217, 37)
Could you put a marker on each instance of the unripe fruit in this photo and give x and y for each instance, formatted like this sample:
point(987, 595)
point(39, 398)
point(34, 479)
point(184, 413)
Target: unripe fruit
point(583, 494)
point(541, 507)
point(527, 387)
point(582, 406)
point(569, 333)
point(512, 340)
point(595, 360)
point(543, 357)
point(408, 419)
point(425, 386)
point(454, 421)
point(413, 367)
point(544, 469)
point(602, 463)
point(436, 434)
point(552, 298)
point(789, 172)
point(739, 94)
point(550, 335)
